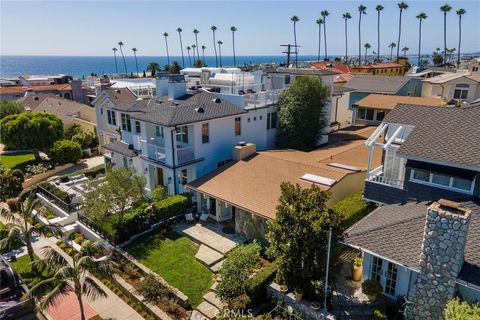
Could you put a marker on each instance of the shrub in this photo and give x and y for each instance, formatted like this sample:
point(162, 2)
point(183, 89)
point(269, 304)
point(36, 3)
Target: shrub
point(170, 207)
point(9, 107)
point(152, 290)
point(461, 310)
point(130, 269)
point(353, 208)
point(371, 287)
point(241, 302)
point(12, 204)
point(159, 193)
point(84, 138)
point(256, 285)
point(358, 262)
point(379, 315)
point(10, 183)
point(66, 151)
point(60, 194)
point(33, 169)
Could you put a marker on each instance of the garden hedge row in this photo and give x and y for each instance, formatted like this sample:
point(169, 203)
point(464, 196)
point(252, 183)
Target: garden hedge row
point(353, 208)
point(60, 194)
point(257, 285)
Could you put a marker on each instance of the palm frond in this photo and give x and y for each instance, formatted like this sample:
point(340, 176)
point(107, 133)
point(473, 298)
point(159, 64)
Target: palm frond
point(63, 288)
point(92, 290)
point(7, 215)
point(13, 234)
point(54, 258)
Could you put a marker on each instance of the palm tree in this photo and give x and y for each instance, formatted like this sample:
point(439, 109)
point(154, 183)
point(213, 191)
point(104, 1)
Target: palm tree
point(379, 9)
point(115, 55)
point(295, 19)
point(72, 278)
point(233, 29)
point(120, 44)
point(346, 16)
point(325, 14)
point(361, 10)
point(189, 58)
point(23, 227)
point(391, 46)
point(402, 6)
point(194, 58)
point(136, 62)
point(319, 22)
point(153, 68)
point(166, 46)
point(179, 30)
point(421, 16)
point(366, 46)
point(203, 54)
point(175, 67)
point(460, 13)
point(445, 8)
point(213, 28)
point(195, 32)
point(220, 51)
point(404, 50)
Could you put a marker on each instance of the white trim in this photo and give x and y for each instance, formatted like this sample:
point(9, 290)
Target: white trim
point(440, 162)
point(449, 187)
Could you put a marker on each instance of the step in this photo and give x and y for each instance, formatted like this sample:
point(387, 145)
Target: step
point(197, 316)
point(213, 288)
point(216, 267)
point(208, 310)
point(208, 256)
point(211, 297)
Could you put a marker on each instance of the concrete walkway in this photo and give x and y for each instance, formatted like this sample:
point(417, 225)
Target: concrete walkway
point(86, 164)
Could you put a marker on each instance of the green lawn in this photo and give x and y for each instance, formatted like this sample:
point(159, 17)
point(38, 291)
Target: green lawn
point(173, 257)
point(14, 160)
point(24, 269)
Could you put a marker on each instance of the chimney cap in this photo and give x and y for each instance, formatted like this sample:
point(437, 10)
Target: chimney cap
point(241, 143)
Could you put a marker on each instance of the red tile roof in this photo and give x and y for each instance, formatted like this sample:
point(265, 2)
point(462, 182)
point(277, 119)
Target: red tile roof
point(335, 66)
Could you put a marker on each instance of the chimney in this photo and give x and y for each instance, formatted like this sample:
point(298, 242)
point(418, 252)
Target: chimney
point(177, 86)
point(441, 259)
point(161, 84)
point(243, 150)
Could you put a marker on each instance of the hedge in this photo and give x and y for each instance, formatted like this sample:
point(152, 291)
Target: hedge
point(60, 194)
point(257, 285)
point(91, 173)
point(353, 208)
point(170, 207)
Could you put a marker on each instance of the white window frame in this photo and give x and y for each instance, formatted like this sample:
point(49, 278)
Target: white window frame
point(112, 116)
point(461, 87)
point(441, 186)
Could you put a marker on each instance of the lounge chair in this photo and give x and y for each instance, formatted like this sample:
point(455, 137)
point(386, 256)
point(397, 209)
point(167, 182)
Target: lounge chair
point(204, 217)
point(189, 217)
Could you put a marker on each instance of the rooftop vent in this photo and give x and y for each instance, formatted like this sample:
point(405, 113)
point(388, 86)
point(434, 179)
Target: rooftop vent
point(174, 104)
point(130, 147)
point(200, 110)
point(36, 98)
point(118, 91)
point(158, 101)
point(139, 99)
point(217, 100)
point(241, 143)
point(318, 179)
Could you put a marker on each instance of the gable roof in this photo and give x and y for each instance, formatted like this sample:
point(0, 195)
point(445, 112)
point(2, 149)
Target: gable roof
point(446, 77)
point(396, 233)
point(388, 102)
point(120, 96)
point(383, 84)
point(187, 109)
point(445, 134)
point(50, 87)
point(122, 148)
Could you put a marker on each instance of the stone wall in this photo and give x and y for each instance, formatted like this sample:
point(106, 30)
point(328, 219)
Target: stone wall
point(250, 225)
point(441, 259)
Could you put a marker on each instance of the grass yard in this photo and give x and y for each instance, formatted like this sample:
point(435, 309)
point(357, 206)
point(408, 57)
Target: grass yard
point(24, 269)
point(172, 256)
point(15, 160)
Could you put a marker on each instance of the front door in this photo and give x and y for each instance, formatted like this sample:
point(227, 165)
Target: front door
point(386, 273)
point(160, 176)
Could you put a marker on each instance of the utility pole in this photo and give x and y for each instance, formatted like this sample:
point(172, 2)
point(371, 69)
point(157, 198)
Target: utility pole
point(328, 266)
point(289, 51)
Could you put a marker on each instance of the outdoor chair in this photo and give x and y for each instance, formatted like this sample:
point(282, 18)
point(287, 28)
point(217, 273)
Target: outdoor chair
point(189, 217)
point(204, 217)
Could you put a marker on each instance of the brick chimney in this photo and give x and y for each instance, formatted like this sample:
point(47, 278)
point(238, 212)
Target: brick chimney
point(441, 259)
point(243, 150)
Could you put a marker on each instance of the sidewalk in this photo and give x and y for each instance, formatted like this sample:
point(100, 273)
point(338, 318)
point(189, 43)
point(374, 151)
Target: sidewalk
point(87, 164)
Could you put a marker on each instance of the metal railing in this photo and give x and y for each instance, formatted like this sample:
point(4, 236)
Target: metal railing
point(67, 207)
point(155, 152)
point(260, 99)
point(377, 176)
point(185, 154)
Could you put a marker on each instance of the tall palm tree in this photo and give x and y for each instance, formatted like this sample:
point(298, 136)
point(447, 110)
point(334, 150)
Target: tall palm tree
point(233, 29)
point(72, 278)
point(346, 16)
point(319, 22)
point(194, 58)
point(136, 62)
point(203, 54)
point(325, 14)
point(189, 58)
point(379, 9)
point(153, 68)
point(220, 51)
point(115, 55)
point(213, 28)
point(195, 32)
point(120, 44)
point(391, 46)
point(404, 50)
point(361, 10)
point(166, 46)
point(179, 30)
point(26, 224)
point(402, 6)
point(460, 13)
point(445, 8)
point(421, 16)
point(366, 46)
point(295, 19)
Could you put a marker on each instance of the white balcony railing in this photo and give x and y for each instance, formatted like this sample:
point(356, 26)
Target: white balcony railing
point(260, 99)
point(377, 176)
point(185, 154)
point(156, 153)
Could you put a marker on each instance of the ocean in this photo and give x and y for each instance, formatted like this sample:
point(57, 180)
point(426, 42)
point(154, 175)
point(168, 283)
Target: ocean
point(11, 66)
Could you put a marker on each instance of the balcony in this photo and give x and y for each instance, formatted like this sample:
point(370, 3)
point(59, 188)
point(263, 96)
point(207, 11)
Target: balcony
point(155, 152)
point(261, 99)
point(378, 176)
point(185, 154)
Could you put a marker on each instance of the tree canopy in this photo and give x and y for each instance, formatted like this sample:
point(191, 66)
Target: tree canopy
point(65, 151)
point(302, 113)
point(461, 310)
point(298, 235)
point(31, 130)
point(9, 107)
point(77, 134)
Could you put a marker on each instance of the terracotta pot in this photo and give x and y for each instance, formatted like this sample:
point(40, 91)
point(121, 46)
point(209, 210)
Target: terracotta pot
point(357, 273)
point(298, 296)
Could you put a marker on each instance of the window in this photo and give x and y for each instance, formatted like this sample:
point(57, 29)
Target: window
point(111, 118)
point(101, 111)
point(126, 123)
point(361, 113)
point(137, 127)
point(463, 184)
point(268, 121)
point(182, 134)
point(205, 133)
point(274, 120)
point(125, 162)
point(380, 115)
point(159, 131)
point(421, 175)
point(443, 181)
point(461, 91)
point(238, 126)
point(183, 177)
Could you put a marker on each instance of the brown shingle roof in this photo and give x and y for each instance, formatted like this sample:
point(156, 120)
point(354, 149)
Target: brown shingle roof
point(376, 84)
point(21, 89)
point(64, 108)
point(120, 96)
point(388, 102)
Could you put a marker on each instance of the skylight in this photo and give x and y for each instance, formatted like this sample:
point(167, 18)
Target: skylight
point(318, 179)
point(344, 166)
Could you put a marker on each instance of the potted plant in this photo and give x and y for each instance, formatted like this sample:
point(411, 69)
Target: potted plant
point(298, 294)
point(357, 269)
point(315, 305)
point(371, 288)
point(283, 288)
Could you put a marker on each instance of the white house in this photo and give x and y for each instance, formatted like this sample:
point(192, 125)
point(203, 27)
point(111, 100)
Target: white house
point(461, 86)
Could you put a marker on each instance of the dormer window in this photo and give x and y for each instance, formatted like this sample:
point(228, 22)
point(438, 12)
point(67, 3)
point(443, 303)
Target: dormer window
point(461, 91)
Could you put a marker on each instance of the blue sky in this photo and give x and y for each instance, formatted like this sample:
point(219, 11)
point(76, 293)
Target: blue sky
point(94, 27)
